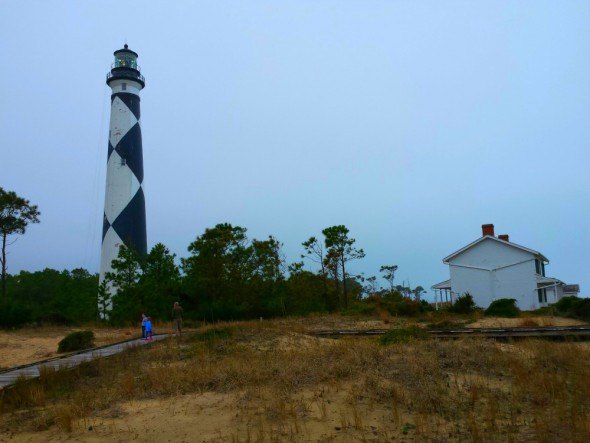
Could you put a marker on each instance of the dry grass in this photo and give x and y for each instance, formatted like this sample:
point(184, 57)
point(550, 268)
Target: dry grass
point(261, 381)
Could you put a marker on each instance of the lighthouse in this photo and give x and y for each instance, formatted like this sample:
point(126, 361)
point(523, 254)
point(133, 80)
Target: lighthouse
point(124, 206)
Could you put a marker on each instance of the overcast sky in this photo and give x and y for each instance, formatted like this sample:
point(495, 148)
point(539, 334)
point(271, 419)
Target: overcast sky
point(410, 122)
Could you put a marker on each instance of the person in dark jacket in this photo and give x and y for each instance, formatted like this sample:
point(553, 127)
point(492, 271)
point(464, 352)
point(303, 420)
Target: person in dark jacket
point(177, 319)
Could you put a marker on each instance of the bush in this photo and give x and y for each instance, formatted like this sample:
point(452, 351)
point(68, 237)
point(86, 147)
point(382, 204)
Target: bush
point(76, 341)
point(503, 307)
point(463, 305)
point(404, 335)
point(361, 307)
point(573, 307)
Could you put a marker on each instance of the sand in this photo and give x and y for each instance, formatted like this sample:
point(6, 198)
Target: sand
point(27, 345)
point(322, 415)
point(497, 322)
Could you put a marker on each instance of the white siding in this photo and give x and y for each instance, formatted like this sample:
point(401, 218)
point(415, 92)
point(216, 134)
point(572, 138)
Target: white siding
point(491, 270)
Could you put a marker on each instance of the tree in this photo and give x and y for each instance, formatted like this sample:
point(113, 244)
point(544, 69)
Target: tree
point(16, 213)
point(418, 291)
point(388, 272)
point(217, 270)
point(128, 299)
point(159, 281)
point(341, 247)
point(104, 301)
point(143, 283)
point(372, 286)
point(266, 294)
point(315, 252)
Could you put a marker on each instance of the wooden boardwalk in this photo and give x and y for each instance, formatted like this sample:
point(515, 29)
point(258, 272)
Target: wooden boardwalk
point(496, 333)
point(9, 376)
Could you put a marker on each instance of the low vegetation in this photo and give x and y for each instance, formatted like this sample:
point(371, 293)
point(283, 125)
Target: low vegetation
point(76, 341)
point(403, 335)
point(281, 385)
point(503, 307)
point(573, 307)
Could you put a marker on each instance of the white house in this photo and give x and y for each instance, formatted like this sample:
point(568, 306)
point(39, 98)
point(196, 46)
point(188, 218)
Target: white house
point(494, 267)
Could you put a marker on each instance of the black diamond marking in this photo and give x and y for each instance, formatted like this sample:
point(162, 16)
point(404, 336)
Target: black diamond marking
point(105, 226)
point(111, 149)
point(130, 100)
point(130, 224)
point(129, 148)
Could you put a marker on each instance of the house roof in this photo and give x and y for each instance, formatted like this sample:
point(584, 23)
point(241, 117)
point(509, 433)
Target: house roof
point(442, 285)
point(541, 280)
point(491, 237)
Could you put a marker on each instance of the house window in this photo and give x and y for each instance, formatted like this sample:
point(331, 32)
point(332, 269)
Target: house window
point(542, 294)
point(123, 162)
point(540, 267)
point(123, 86)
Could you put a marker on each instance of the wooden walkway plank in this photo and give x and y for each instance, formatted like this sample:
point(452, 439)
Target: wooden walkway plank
point(550, 331)
point(9, 377)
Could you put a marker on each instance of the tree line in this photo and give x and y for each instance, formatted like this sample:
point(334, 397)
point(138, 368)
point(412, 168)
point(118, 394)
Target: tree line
point(226, 276)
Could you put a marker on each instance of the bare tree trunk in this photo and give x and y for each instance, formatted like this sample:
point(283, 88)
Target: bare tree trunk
point(344, 285)
point(325, 281)
point(4, 267)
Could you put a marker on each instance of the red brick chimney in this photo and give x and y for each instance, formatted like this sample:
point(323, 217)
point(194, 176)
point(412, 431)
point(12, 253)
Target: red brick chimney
point(504, 237)
point(487, 230)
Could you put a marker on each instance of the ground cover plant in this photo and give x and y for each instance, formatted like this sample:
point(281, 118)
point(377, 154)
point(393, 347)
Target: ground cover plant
point(263, 381)
point(503, 307)
point(76, 341)
point(574, 307)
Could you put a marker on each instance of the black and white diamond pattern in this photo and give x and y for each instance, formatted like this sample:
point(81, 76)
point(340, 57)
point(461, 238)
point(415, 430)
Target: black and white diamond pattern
point(124, 213)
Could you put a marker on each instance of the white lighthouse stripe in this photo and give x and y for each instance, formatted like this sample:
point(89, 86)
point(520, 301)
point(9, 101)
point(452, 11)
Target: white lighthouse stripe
point(122, 184)
point(122, 120)
point(110, 251)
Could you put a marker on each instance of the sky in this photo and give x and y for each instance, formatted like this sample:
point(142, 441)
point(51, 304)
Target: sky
point(411, 122)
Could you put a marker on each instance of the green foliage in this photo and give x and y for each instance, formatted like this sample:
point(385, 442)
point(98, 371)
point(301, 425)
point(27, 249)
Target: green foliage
point(50, 296)
point(340, 250)
point(392, 302)
point(388, 272)
point(573, 307)
point(13, 314)
point(426, 307)
point(16, 213)
point(144, 284)
point(361, 307)
point(463, 305)
point(226, 276)
point(403, 335)
point(76, 341)
point(503, 307)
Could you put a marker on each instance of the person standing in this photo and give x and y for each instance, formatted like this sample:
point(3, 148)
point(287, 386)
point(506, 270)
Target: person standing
point(148, 329)
point(177, 319)
point(143, 320)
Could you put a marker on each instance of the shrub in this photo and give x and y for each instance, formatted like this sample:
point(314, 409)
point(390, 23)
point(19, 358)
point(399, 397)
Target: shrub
point(76, 341)
point(573, 307)
point(408, 308)
point(361, 307)
point(403, 335)
point(503, 307)
point(463, 305)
